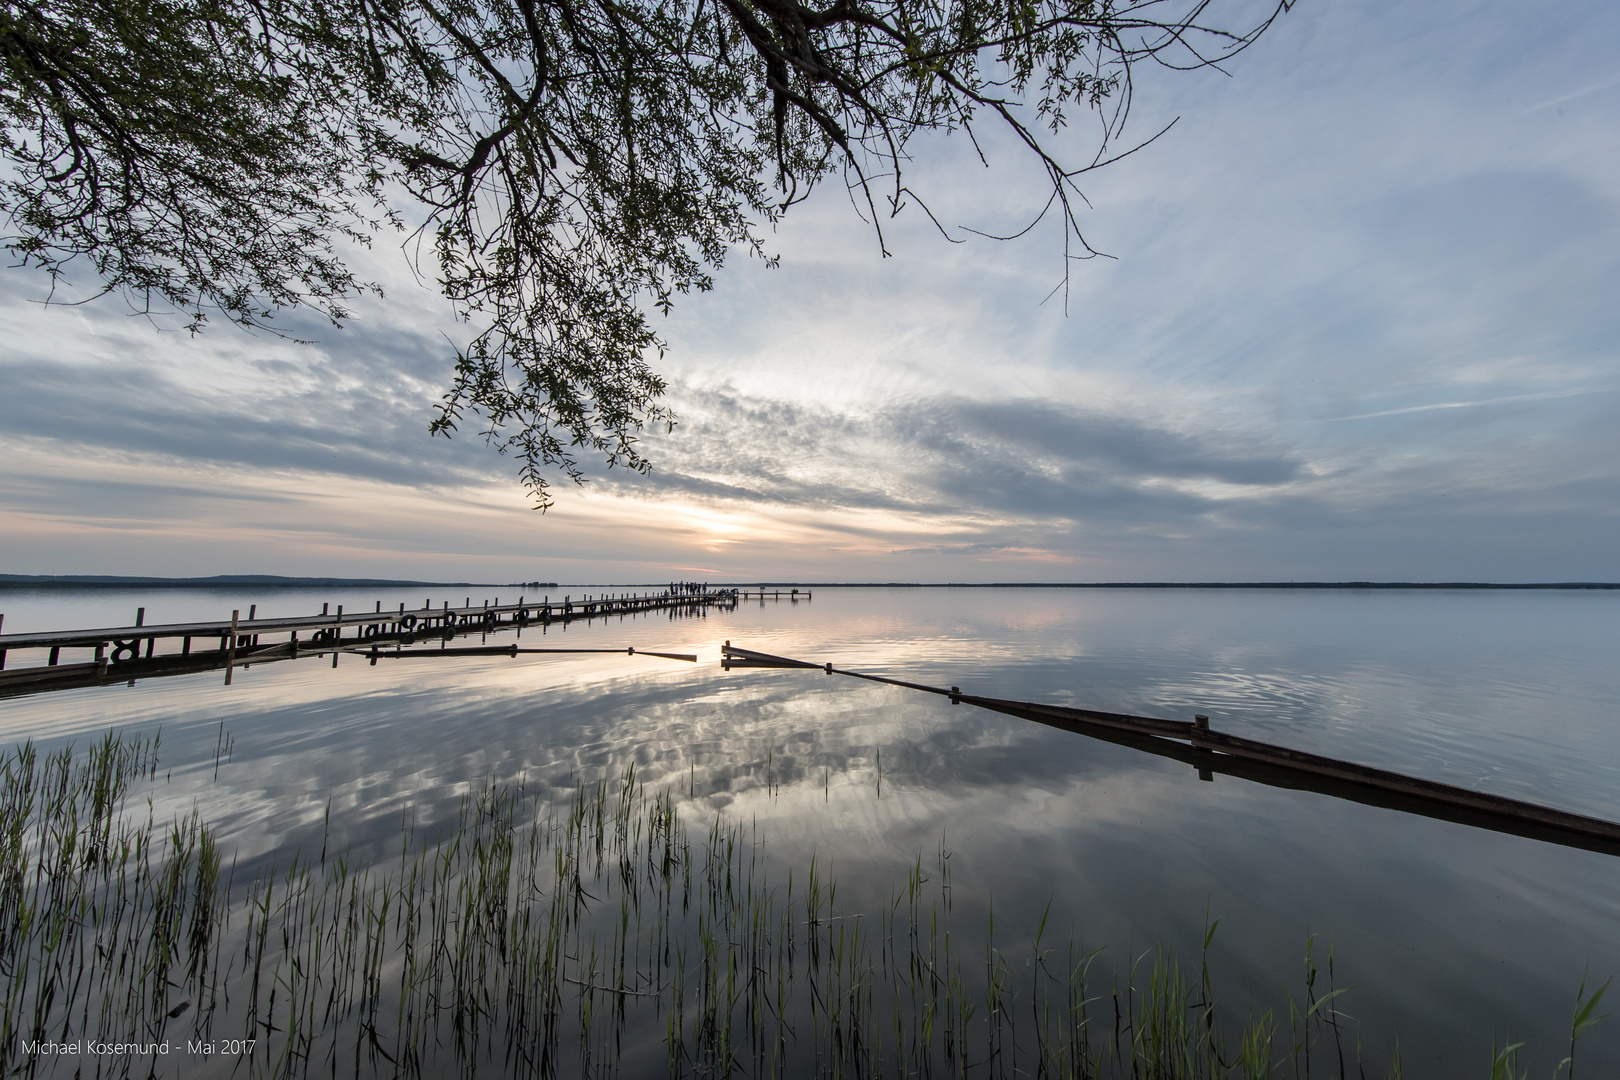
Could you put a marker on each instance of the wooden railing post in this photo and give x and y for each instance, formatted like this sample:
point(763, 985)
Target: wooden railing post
point(1201, 723)
point(230, 651)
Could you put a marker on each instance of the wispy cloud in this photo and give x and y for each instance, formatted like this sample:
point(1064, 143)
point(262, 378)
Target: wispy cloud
point(1601, 84)
point(1552, 395)
point(1358, 224)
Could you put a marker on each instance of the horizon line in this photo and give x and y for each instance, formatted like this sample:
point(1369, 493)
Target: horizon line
point(283, 581)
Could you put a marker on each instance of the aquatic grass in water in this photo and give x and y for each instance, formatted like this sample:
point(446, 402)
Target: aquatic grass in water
point(106, 917)
point(595, 937)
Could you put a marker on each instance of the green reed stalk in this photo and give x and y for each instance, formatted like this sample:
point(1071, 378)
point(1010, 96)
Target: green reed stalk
point(585, 938)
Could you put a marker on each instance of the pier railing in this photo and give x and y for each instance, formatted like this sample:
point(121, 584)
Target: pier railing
point(64, 659)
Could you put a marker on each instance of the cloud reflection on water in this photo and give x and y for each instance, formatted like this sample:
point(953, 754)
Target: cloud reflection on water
point(1447, 930)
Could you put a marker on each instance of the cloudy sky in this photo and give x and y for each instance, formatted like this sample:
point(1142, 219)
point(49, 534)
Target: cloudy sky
point(1362, 321)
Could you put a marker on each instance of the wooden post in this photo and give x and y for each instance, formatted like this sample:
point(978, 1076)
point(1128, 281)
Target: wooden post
point(140, 616)
point(56, 651)
point(1201, 722)
point(230, 652)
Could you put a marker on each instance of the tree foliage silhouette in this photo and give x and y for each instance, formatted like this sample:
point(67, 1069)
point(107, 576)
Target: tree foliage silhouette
point(565, 165)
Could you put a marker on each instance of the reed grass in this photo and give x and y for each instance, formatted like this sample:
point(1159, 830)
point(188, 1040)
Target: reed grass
point(600, 936)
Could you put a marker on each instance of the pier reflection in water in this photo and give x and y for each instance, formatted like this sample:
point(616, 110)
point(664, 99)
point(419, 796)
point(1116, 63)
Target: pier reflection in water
point(1451, 934)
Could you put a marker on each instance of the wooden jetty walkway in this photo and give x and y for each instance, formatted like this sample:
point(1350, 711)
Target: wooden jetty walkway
point(1196, 744)
point(124, 653)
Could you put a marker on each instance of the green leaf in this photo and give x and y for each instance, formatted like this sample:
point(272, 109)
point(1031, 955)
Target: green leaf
point(1585, 1008)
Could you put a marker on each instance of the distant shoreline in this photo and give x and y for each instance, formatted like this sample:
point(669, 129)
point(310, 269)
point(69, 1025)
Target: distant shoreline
point(222, 581)
point(1183, 585)
point(271, 581)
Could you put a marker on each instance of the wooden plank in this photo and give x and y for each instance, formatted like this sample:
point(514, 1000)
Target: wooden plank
point(1400, 783)
point(1214, 751)
point(1145, 725)
point(750, 658)
point(1262, 772)
point(563, 611)
point(503, 650)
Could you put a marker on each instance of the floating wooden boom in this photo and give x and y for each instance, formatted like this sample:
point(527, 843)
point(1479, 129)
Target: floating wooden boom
point(1212, 752)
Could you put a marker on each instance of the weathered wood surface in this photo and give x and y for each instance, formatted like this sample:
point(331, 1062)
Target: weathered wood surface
point(1218, 752)
point(374, 654)
point(590, 607)
point(125, 653)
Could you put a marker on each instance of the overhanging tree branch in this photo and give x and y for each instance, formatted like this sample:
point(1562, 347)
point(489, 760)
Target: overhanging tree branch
point(574, 162)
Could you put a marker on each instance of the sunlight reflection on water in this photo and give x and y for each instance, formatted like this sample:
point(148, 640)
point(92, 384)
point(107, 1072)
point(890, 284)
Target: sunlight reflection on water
point(1452, 934)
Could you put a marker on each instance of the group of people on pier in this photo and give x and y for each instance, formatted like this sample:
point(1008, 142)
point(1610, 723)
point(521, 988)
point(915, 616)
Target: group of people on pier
point(688, 588)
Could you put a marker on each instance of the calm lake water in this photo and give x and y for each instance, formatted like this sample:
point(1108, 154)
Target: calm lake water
point(1452, 936)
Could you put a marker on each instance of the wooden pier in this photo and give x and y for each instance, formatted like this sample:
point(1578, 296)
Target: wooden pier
point(1196, 744)
point(124, 653)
